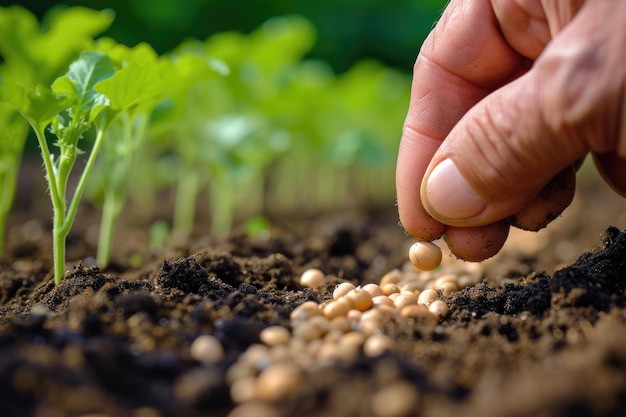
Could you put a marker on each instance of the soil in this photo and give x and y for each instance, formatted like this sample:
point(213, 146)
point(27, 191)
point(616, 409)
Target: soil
point(542, 334)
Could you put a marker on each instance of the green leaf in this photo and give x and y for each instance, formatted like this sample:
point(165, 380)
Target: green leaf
point(137, 84)
point(91, 68)
point(39, 107)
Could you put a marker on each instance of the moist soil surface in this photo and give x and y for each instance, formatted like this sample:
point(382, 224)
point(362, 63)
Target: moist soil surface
point(542, 333)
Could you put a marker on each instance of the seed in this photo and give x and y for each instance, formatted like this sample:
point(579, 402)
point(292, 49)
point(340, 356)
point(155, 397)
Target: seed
point(427, 296)
point(413, 285)
point(382, 299)
point(207, 349)
point(305, 311)
point(426, 256)
point(466, 280)
point(389, 289)
point(342, 289)
point(254, 409)
point(275, 335)
point(278, 381)
point(392, 277)
point(448, 288)
point(398, 399)
point(337, 308)
point(361, 299)
point(373, 289)
point(312, 278)
point(415, 311)
point(439, 308)
point(377, 344)
point(404, 300)
point(354, 315)
point(340, 323)
point(446, 278)
point(243, 389)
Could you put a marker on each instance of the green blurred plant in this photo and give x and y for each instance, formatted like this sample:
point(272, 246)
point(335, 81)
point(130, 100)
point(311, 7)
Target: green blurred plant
point(35, 55)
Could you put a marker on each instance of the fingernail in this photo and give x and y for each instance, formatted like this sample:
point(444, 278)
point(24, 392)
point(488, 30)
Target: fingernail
point(448, 194)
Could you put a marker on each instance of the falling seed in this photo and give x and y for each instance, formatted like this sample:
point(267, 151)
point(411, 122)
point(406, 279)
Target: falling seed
point(312, 278)
point(426, 256)
point(207, 349)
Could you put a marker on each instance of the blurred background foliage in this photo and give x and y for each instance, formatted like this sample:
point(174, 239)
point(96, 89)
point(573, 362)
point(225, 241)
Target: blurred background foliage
point(347, 30)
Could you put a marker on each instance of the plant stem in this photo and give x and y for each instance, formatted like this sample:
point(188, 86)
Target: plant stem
point(110, 211)
point(186, 196)
point(223, 197)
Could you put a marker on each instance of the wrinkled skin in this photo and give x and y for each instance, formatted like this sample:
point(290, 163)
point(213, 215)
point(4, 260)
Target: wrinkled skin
point(509, 95)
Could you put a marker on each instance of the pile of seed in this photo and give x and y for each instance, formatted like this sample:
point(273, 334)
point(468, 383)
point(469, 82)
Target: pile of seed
point(338, 330)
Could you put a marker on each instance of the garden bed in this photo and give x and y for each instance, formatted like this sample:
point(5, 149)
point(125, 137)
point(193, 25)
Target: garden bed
point(542, 334)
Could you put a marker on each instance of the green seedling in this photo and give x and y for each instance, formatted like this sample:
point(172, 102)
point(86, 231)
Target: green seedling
point(31, 55)
point(70, 108)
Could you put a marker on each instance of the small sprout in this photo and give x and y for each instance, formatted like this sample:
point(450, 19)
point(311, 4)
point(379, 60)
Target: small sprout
point(207, 349)
point(426, 256)
point(312, 278)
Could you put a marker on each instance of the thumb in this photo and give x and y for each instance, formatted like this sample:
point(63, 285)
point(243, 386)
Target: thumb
point(501, 154)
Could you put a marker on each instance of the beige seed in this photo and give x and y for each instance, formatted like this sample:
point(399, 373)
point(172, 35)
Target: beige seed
point(427, 296)
point(413, 285)
point(439, 308)
point(392, 277)
point(243, 389)
point(446, 278)
point(373, 289)
point(398, 399)
point(340, 323)
point(278, 381)
point(342, 289)
point(312, 278)
point(377, 344)
point(389, 289)
point(426, 256)
point(382, 299)
point(254, 409)
point(361, 299)
point(337, 308)
point(207, 349)
point(275, 335)
point(404, 299)
point(354, 315)
point(448, 288)
point(305, 311)
point(415, 311)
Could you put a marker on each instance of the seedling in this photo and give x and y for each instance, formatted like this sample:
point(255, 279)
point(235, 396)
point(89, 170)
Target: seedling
point(70, 108)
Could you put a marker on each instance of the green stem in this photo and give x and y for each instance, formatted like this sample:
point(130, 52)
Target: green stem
point(185, 204)
point(223, 197)
point(110, 212)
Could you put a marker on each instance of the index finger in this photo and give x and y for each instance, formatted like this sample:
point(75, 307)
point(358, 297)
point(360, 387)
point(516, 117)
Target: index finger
point(463, 59)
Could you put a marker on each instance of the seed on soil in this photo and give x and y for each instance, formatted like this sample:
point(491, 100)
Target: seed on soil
point(415, 311)
point(448, 287)
point(253, 409)
point(243, 389)
point(278, 381)
point(305, 311)
point(337, 308)
point(439, 308)
point(390, 288)
point(275, 335)
point(427, 296)
point(426, 256)
point(342, 289)
point(399, 399)
point(382, 300)
point(377, 344)
point(207, 349)
point(361, 299)
point(312, 278)
point(373, 289)
point(392, 277)
point(404, 299)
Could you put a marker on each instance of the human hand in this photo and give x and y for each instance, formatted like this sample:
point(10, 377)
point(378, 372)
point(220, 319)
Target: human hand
point(507, 99)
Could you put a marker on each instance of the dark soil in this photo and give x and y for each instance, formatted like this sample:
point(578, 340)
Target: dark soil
point(543, 334)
